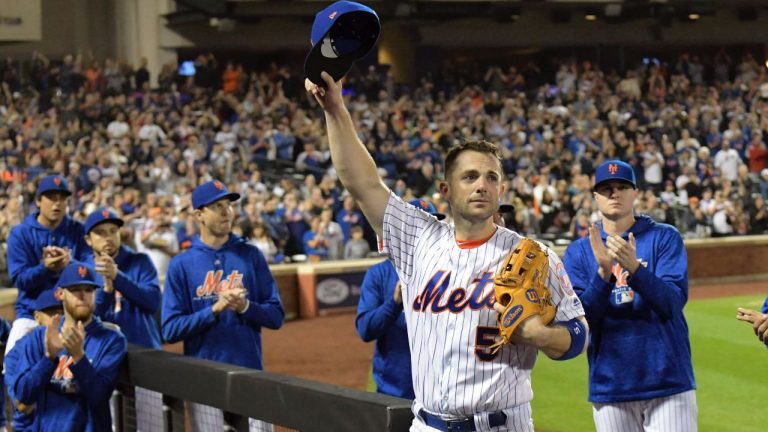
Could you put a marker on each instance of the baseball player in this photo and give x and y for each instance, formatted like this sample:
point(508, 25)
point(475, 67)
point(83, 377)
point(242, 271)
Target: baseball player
point(380, 317)
point(446, 274)
point(40, 248)
point(218, 295)
point(129, 297)
point(47, 306)
point(68, 369)
point(632, 277)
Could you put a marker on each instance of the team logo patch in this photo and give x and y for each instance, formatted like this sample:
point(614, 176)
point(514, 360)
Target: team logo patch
point(57, 181)
point(532, 295)
point(332, 15)
point(613, 169)
point(565, 281)
point(217, 184)
point(512, 315)
point(105, 213)
point(57, 294)
point(82, 271)
point(423, 204)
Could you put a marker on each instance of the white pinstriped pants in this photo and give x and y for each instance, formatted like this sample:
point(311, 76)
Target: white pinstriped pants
point(676, 413)
point(518, 420)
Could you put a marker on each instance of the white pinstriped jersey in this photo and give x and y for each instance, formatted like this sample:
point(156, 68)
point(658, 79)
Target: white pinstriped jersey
point(447, 298)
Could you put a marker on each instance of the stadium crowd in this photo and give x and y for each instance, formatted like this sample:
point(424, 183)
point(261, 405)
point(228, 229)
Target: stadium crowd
point(693, 129)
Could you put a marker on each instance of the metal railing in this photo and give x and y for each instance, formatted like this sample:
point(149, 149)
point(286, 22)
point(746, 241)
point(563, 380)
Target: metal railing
point(242, 393)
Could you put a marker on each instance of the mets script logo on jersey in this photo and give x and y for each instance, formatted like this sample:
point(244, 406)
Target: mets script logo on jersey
point(435, 298)
point(215, 283)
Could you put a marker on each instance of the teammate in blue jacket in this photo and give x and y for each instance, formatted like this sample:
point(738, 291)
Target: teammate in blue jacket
point(631, 275)
point(220, 292)
point(69, 368)
point(380, 317)
point(39, 248)
point(129, 297)
point(47, 306)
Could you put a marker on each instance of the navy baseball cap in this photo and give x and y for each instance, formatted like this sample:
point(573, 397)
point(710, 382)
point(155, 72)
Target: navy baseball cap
point(77, 273)
point(615, 170)
point(53, 183)
point(101, 215)
point(210, 192)
point(341, 34)
point(48, 299)
point(427, 207)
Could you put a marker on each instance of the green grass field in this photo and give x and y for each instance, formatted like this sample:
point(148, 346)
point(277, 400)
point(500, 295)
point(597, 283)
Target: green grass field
point(730, 364)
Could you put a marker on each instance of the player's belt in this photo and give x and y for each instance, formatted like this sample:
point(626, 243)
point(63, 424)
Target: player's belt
point(462, 424)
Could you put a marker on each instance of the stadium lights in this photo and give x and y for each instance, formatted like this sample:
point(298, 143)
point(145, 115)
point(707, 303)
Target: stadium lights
point(590, 17)
point(693, 16)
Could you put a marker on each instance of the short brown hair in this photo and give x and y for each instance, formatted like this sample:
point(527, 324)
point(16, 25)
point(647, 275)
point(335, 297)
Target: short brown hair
point(480, 146)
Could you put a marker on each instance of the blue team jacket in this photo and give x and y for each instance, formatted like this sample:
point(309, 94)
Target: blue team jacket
point(639, 347)
point(68, 397)
point(25, 257)
point(140, 290)
point(191, 288)
point(379, 318)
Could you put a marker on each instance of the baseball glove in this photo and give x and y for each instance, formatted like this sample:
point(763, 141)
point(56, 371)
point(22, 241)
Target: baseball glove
point(520, 286)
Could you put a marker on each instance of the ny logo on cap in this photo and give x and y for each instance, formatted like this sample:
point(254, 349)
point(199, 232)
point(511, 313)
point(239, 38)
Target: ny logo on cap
point(332, 15)
point(57, 180)
point(105, 213)
point(613, 169)
point(57, 295)
point(217, 184)
point(83, 271)
point(423, 204)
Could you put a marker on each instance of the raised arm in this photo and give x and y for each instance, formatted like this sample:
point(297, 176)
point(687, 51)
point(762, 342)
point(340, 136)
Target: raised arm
point(354, 165)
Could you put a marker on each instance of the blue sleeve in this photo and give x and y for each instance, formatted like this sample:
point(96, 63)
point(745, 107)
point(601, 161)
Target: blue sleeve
point(266, 309)
point(82, 248)
point(765, 306)
point(29, 371)
point(666, 289)
point(375, 314)
point(593, 291)
point(105, 305)
point(25, 269)
point(97, 380)
point(178, 321)
point(144, 291)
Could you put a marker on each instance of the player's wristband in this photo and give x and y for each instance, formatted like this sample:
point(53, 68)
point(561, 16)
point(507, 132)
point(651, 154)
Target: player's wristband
point(578, 338)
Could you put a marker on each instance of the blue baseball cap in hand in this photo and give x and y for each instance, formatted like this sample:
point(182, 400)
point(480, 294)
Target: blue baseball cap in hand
point(427, 207)
point(210, 192)
point(615, 170)
point(53, 183)
point(99, 216)
point(341, 34)
point(77, 273)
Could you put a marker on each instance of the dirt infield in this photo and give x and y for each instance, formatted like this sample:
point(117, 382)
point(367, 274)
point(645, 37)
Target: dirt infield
point(328, 349)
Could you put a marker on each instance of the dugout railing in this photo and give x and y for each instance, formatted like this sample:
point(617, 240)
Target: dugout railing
point(241, 393)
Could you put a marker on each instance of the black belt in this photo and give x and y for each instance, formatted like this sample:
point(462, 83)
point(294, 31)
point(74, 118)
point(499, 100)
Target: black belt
point(460, 425)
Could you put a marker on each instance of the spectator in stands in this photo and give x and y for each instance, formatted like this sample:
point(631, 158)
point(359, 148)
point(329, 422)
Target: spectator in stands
point(158, 239)
point(218, 295)
point(316, 245)
point(68, 369)
point(261, 239)
point(356, 247)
